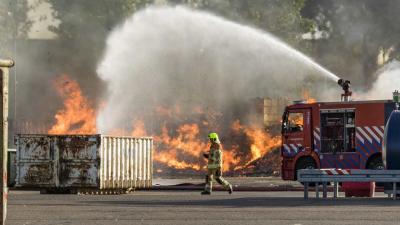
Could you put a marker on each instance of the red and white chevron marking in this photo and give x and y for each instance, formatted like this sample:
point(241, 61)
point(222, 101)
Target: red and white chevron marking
point(370, 133)
point(317, 139)
point(292, 148)
point(336, 171)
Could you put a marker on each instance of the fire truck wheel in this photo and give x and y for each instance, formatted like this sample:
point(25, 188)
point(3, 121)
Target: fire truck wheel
point(375, 164)
point(305, 163)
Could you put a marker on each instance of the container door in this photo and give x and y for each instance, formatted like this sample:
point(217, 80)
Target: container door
point(35, 161)
point(296, 132)
point(79, 161)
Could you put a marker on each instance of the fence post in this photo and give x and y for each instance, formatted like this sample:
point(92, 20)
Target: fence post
point(4, 72)
point(335, 189)
point(306, 190)
point(324, 190)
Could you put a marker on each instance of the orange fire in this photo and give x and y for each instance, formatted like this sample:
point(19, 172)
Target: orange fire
point(311, 100)
point(173, 150)
point(77, 116)
point(307, 96)
point(261, 141)
point(184, 149)
point(139, 129)
point(180, 140)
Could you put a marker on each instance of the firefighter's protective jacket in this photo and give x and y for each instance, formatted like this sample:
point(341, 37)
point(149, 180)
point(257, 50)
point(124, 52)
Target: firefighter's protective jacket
point(215, 157)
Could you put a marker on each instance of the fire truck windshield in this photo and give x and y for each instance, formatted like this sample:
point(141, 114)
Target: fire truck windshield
point(292, 122)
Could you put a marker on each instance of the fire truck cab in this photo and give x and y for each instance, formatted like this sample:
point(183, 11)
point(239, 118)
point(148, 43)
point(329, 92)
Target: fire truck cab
point(346, 135)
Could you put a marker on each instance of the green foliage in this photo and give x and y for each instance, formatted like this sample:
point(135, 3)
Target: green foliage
point(90, 21)
point(281, 17)
point(91, 17)
point(357, 30)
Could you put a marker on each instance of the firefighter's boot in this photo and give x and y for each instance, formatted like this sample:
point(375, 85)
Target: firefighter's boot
point(208, 186)
point(230, 189)
point(206, 192)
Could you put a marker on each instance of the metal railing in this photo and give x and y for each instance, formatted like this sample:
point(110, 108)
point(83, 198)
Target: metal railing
point(325, 176)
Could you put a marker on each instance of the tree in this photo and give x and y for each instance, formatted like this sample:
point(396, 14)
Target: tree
point(282, 18)
point(358, 32)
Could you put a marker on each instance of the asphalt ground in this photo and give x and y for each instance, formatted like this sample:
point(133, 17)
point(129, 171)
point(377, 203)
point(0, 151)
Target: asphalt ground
point(189, 207)
point(239, 184)
point(236, 181)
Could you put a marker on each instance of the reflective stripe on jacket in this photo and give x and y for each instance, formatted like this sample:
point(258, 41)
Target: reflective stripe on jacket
point(215, 157)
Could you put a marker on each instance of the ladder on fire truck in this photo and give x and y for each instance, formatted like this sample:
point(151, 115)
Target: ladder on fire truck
point(325, 176)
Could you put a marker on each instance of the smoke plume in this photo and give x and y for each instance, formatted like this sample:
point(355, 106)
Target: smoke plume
point(388, 80)
point(176, 56)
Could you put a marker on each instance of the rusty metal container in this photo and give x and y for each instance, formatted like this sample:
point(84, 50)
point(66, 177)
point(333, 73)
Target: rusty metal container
point(83, 161)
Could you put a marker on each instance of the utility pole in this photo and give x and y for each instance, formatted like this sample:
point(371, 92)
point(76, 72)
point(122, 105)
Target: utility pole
point(15, 38)
point(4, 73)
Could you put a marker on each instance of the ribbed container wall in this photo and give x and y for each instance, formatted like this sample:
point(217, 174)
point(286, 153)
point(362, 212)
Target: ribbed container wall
point(126, 162)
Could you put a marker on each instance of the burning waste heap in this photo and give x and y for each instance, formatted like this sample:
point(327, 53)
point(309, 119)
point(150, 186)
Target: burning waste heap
point(180, 134)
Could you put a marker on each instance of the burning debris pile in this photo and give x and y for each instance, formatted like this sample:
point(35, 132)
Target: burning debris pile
point(180, 137)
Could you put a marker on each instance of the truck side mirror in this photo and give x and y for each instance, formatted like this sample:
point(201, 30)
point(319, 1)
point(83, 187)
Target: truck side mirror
point(284, 128)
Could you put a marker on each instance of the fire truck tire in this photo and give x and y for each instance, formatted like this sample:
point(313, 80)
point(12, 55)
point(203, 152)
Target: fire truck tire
point(376, 163)
point(305, 163)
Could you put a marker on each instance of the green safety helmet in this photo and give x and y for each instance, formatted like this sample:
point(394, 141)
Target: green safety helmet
point(213, 137)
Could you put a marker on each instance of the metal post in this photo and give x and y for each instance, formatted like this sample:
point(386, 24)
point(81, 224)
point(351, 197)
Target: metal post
point(306, 190)
point(4, 71)
point(317, 190)
point(394, 190)
point(324, 190)
point(335, 189)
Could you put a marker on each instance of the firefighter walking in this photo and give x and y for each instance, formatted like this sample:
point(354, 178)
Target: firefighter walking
point(214, 166)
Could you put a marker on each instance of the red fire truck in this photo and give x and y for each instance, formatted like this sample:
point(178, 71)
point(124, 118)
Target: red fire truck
point(347, 134)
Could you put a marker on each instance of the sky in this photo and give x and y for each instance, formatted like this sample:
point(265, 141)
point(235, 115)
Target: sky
point(41, 15)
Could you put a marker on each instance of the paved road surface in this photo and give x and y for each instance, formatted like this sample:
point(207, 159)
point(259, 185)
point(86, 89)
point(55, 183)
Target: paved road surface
point(237, 181)
point(188, 207)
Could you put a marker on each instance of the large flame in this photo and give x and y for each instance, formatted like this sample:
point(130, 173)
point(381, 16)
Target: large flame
point(261, 141)
point(180, 139)
point(176, 151)
point(77, 116)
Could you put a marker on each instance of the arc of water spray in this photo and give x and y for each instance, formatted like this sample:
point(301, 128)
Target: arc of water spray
point(193, 57)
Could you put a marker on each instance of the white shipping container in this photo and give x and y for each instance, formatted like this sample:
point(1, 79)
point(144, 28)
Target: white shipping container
point(83, 161)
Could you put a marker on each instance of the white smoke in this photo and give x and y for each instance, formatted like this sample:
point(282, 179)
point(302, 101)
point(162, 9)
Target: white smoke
point(168, 55)
point(388, 80)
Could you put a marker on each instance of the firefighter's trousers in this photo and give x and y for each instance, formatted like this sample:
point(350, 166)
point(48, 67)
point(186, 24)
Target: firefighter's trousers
point(217, 175)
